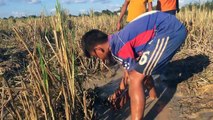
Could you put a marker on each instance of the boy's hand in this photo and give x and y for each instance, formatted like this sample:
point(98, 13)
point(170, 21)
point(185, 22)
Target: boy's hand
point(120, 97)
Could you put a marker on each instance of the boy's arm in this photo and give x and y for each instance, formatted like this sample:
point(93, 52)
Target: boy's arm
point(149, 5)
point(124, 81)
point(123, 10)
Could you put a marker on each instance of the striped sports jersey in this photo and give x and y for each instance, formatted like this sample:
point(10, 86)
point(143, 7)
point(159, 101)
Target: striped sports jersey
point(129, 43)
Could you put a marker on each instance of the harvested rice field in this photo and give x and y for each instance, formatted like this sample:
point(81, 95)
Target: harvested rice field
point(44, 74)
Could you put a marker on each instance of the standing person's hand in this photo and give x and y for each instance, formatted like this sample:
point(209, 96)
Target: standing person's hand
point(178, 10)
point(123, 10)
point(150, 6)
point(118, 26)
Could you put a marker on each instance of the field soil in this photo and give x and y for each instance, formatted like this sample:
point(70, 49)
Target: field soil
point(184, 88)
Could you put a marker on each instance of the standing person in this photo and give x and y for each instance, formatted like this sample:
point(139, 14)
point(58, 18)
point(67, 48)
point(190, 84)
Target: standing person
point(153, 37)
point(135, 8)
point(168, 6)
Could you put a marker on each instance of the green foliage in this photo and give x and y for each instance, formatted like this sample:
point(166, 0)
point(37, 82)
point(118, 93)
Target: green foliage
point(43, 66)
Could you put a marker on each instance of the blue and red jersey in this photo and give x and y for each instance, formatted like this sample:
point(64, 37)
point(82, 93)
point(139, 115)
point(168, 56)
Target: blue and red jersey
point(129, 43)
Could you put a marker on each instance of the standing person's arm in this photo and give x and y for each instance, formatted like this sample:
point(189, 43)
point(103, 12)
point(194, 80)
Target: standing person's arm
point(149, 5)
point(158, 7)
point(123, 10)
point(177, 6)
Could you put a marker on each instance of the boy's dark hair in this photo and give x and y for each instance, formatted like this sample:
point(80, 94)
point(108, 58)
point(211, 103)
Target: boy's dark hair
point(91, 39)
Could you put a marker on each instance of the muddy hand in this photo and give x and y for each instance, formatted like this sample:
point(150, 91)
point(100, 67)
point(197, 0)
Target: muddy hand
point(119, 98)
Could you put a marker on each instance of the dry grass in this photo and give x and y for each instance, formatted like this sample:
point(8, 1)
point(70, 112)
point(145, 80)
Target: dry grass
point(200, 29)
point(50, 88)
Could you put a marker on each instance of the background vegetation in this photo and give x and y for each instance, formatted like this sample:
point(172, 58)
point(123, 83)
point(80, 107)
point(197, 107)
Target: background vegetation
point(47, 84)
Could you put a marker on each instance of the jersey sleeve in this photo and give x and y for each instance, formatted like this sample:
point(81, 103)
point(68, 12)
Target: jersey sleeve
point(126, 53)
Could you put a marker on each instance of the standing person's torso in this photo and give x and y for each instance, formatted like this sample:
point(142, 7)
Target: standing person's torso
point(135, 8)
point(166, 5)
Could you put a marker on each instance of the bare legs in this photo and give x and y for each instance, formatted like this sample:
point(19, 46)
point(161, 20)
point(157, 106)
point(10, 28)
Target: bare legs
point(137, 96)
point(137, 84)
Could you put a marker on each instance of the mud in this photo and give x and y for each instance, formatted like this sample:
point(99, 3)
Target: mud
point(178, 97)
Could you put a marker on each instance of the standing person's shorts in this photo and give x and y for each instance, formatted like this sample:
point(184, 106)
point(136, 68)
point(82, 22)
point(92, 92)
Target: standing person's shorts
point(160, 50)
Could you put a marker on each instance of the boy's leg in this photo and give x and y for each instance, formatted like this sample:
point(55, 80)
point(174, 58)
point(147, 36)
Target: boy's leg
point(148, 83)
point(137, 95)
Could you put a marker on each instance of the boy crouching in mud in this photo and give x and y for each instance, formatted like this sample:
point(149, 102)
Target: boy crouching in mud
point(143, 47)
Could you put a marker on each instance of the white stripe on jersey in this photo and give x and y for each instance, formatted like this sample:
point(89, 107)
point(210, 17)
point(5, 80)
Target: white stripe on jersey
point(117, 59)
point(149, 67)
point(159, 56)
point(145, 69)
point(155, 56)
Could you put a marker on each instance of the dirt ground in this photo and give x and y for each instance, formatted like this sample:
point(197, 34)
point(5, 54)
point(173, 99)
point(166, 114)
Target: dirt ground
point(184, 88)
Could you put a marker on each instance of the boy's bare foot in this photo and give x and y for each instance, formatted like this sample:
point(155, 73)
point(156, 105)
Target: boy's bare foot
point(149, 84)
point(152, 94)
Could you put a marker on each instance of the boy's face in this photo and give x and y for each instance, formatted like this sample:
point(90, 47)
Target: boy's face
point(100, 52)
